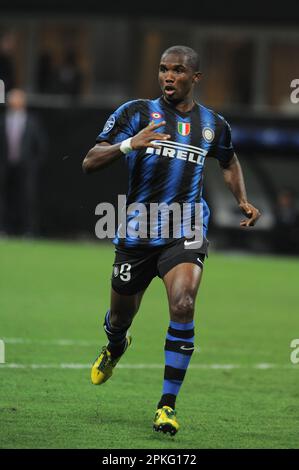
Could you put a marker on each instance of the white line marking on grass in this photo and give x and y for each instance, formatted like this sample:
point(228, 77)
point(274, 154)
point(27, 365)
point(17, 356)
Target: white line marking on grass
point(84, 343)
point(261, 366)
point(51, 342)
point(265, 366)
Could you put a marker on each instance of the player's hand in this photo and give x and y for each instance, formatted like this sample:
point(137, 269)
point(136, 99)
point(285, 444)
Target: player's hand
point(145, 137)
point(251, 212)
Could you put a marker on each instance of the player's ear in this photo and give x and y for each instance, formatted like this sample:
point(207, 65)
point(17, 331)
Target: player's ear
point(197, 77)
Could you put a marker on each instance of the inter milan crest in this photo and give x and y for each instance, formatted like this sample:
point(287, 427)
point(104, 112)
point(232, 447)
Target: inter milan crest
point(208, 134)
point(184, 128)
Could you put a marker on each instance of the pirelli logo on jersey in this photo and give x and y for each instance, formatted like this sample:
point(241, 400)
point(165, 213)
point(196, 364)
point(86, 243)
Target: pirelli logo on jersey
point(180, 151)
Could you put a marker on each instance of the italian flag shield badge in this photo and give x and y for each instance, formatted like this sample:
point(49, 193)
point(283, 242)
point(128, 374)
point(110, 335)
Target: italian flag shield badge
point(184, 128)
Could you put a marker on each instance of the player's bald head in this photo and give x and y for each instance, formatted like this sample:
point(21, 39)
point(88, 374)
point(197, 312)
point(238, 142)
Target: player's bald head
point(192, 57)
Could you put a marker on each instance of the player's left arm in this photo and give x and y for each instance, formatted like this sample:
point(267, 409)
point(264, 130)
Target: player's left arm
point(233, 177)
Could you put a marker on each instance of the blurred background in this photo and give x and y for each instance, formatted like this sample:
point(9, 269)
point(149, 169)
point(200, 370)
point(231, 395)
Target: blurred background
point(76, 64)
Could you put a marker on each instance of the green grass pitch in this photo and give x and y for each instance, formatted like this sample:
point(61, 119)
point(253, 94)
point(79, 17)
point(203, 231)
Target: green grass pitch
point(242, 390)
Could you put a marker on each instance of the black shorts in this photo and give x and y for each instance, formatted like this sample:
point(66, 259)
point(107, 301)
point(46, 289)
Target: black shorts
point(134, 269)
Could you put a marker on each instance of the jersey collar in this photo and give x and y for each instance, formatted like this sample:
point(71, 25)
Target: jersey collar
point(176, 111)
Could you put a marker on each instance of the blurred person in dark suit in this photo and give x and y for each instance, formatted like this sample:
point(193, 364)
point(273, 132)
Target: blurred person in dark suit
point(22, 150)
point(287, 222)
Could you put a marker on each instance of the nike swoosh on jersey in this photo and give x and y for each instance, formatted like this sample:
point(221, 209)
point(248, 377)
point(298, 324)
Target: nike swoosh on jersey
point(186, 243)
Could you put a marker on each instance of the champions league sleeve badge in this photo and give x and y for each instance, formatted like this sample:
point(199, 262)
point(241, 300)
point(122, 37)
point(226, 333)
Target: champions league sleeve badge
point(156, 115)
point(109, 124)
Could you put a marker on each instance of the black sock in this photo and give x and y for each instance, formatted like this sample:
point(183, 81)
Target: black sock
point(117, 349)
point(167, 400)
point(116, 337)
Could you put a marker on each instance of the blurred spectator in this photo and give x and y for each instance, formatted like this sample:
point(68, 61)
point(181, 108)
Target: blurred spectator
point(68, 77)
point(287, 223)
point(45, 72)
point(22, 149)
point(7, 69)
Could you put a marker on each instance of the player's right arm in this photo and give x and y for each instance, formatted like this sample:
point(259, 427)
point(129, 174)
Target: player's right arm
point(104, 153)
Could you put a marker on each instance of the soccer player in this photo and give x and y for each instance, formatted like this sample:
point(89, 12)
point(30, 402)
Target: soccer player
point(165, 143)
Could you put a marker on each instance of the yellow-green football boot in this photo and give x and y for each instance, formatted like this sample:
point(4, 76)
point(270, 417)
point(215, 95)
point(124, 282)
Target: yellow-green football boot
point(165, 421)
point(104, 364)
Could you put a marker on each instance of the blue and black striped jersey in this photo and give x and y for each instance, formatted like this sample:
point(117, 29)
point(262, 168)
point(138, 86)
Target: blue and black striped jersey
point(174, 172)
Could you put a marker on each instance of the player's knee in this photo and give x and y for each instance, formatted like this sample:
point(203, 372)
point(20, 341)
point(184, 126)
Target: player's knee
point(182, 309)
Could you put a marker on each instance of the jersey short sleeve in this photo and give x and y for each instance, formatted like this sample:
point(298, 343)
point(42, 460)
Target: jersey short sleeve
point(120, 125)
point(223, 149)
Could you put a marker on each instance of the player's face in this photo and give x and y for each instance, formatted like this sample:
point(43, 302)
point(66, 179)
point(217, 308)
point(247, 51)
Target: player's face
point(176, 77)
